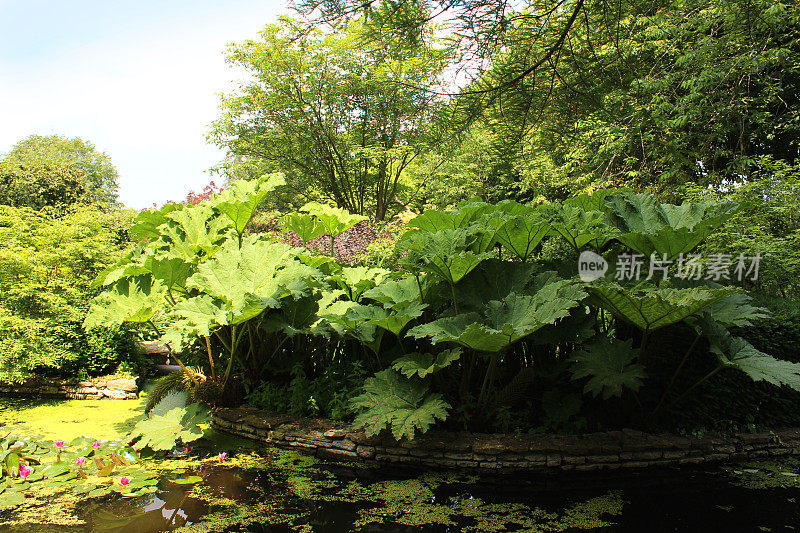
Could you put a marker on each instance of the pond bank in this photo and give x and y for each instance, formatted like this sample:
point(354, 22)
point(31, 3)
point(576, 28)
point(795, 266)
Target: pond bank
point(503, 453)
point(102, 388)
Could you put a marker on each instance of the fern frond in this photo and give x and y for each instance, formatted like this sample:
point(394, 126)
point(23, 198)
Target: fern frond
point(178, 381)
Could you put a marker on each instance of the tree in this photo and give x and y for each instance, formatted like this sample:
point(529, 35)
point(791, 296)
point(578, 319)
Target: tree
point(56, 171)
point(686, 92)
point(340, 117)
point(649, 94)
point(46, 270)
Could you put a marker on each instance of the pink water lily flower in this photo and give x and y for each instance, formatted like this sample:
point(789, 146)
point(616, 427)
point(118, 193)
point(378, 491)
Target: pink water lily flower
point(24, 471)
point(96, 445)
point(59, 443)
point(124, 480)
point(80, 461)
point(223, 456)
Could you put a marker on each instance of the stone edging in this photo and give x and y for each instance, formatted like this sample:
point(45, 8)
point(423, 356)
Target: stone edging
point(90, 389)
point(502, 453)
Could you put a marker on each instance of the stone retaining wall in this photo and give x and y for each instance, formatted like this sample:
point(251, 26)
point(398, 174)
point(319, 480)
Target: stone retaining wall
point(502, 453)
point(90, 389)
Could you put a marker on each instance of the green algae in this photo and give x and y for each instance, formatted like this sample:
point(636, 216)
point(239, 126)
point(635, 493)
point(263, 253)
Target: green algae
point(413, 502)
point(778, 473)
point(68, 419)
point(257, 487)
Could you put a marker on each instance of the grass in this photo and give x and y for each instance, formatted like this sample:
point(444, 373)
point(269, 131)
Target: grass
point(67, 419)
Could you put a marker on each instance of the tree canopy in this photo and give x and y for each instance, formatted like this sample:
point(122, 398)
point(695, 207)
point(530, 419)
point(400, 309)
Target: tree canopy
point(340, 116)
point(56, 171)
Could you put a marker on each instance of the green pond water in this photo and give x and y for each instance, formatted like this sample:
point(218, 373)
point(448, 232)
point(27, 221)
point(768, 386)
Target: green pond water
point(267, 490)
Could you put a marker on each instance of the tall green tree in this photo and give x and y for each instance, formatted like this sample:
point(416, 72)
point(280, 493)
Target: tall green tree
point(56, 171)
point(340, 116)
point(46, 269)
point(655, 95)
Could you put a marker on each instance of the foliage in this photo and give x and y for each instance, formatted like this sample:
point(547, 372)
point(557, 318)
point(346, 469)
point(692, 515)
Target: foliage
point(196, 387)
point(736, 352)
point(83, 466)
point(505, 321)
point(342, 120)
point(159, 432)
point(326, 394)
point(46, 268)
point(651, 308)
point(610, 367)
point(286, 317)
point(423, 364)
point(405, 406)
point(56, 172)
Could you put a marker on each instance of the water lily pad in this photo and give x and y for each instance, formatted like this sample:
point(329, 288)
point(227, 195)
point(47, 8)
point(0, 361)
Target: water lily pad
point(189, 480)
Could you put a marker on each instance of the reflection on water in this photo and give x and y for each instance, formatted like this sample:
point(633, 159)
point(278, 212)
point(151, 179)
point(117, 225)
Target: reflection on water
point(282, 491)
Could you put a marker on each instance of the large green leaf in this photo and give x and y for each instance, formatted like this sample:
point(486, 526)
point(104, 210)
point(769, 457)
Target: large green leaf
point(579, 227)
point(146, 224)
point(391, 292)
point(736, 310)
point(304, 226)
point(192, 318)
point(649, 308)
point(335, 220)
point(649, 227)
point(736, 352)
point(759, 366)
point(403, 405)
point(444, 253)
point(191, 232)
point(610, 366)
point(594, 201)
point(423, 364)
point(240, 201)
point(503, 322)
point(495, 279)
point(355, 280)
point(251, 278)
point(132, 300)
point(161, 432)
point(521, 235)
point(356, 320)
point(398, 317)
point(432, 221)
point(171, 272)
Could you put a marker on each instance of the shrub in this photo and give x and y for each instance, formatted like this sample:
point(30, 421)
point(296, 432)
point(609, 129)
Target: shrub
point(46, 268)
point(477, 311)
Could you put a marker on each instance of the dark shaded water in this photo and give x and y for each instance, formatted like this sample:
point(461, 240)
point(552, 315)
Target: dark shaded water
point(281, 491)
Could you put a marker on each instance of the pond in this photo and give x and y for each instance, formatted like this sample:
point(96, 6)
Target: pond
point(269, 490)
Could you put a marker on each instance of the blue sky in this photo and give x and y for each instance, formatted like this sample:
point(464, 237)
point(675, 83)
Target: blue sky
point(138, 79)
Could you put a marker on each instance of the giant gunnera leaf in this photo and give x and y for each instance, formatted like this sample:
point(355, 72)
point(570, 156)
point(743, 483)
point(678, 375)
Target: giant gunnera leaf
point(334, 219)
point(521, 235)
point(403, 405)
point(423, 364)
point(651, 308)
point(736, 352)
point(132, 300)
point(240, 201)
point(649, 227)
point(251, 278)
point(610, 368)
point(161, 432)
point(303, 225)
point(503, 322)
point(445, 253)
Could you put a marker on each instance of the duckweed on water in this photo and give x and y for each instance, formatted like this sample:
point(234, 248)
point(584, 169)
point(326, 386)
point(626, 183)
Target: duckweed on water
point(257, 489)
point(782, 473)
